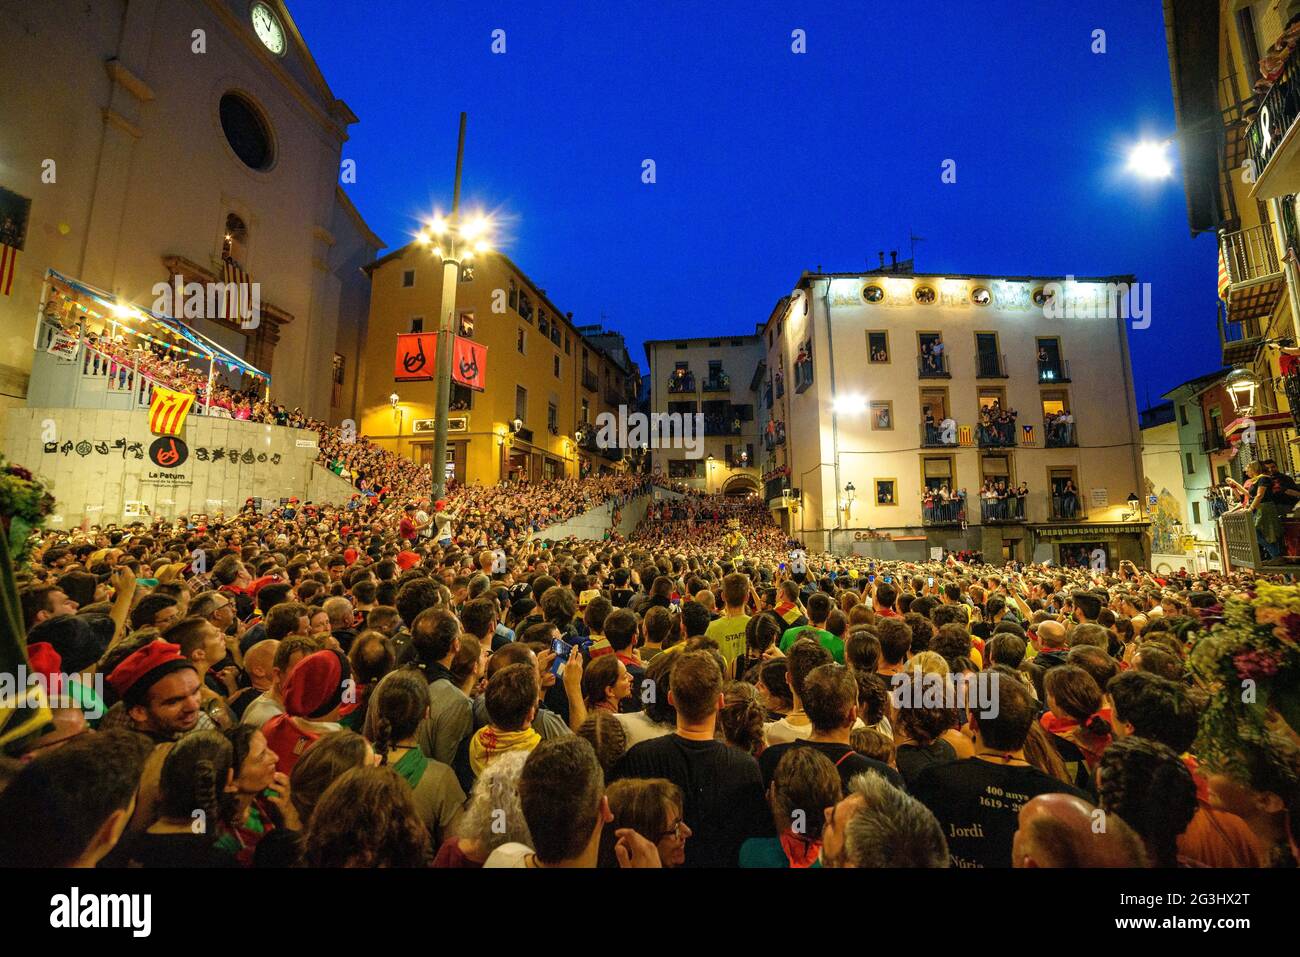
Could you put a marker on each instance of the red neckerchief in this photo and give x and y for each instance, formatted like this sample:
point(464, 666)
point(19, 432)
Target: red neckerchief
point(800, 851)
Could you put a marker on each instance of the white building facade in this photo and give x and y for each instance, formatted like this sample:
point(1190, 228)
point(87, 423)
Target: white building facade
point(891, 401)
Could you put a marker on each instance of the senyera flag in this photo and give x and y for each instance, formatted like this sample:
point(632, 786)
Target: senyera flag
point(167, 411)
point(416, 359)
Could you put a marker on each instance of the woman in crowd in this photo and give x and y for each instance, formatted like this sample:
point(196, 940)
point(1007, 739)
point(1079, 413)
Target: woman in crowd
point(366, 819)
point(400, 702)
point(653, 808)
point(806, 782)
point(492, 818)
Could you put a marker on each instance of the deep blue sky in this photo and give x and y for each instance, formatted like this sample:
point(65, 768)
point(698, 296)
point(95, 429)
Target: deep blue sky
point(768, 162)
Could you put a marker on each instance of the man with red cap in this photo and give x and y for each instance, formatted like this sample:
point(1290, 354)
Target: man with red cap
point(159, 688)
point(316, 692)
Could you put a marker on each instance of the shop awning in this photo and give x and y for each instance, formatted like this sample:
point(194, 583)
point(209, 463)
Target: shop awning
point(1069, 531)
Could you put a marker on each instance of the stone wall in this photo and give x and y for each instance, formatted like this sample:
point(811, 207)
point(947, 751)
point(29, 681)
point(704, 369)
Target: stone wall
point(104, 466)
point(592, 524)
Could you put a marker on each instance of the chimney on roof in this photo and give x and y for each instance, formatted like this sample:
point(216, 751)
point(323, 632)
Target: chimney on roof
point(570, 315)
point(893, 259)
point(881, 254)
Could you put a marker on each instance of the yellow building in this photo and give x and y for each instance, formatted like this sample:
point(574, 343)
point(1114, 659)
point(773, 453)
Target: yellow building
point(1235, 93)
point(543, 374)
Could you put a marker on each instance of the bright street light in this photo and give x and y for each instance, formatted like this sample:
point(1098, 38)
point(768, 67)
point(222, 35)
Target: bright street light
point(849, 404)
point(1150, 160)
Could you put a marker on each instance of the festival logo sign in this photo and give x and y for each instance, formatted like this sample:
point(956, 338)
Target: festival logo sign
point(168, 452)
point(416, 359)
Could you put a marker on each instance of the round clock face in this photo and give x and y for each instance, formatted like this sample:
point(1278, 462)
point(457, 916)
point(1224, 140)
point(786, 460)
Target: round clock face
point(268, 29)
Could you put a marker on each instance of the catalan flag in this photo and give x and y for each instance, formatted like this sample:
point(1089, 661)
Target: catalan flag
point(167, 411)
point(235, 298)
point(1224, 280)
point(8, 260)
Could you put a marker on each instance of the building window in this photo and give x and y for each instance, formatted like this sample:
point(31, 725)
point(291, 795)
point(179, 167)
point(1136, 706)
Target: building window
point(1196, 512)
point(543, 324)
point(519, 343)
point(408, 278)
point(1182, 415)
point(684, 468)
point(467, 324)
point(882, 416)
point(567, 343)
point(234, 244)
point(417, 324)
point(1191, 464)
point(552, 418)
point(246, 131)
point(336, 382)
point(878, 346)
point(586, 411)
point(556, 365)
point(521, 403)
point(886, 491)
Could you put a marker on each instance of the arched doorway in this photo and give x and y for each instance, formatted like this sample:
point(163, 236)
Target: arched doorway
point(740, 485)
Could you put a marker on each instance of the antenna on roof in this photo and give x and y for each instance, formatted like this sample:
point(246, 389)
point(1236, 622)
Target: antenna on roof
point(913, 239)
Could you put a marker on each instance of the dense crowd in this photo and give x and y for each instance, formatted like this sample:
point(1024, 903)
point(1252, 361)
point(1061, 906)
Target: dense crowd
point(329, 687)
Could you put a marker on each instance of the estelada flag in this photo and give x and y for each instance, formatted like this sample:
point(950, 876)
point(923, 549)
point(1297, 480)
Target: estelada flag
point(167, 411)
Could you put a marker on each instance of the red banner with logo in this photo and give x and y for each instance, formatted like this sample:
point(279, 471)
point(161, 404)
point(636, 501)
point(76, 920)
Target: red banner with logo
point(416, 359)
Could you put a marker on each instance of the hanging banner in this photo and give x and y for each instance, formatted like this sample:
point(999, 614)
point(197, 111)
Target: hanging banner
point(469, 363)
point(416, 359)
point(167, 411)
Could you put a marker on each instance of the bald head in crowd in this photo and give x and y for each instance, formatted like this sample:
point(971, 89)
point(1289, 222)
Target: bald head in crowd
point(259, 662)
point(1061, 830)
point(1051, 635)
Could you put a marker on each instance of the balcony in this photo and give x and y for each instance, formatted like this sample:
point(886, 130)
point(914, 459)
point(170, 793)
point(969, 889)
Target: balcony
point(590, 381)
point(721, 425)
point(935, 437)
point(681, 383)
point(1255, 278)
point(1213, 441)
point(938, 511)
point(1066, 507)
point(524, 435)
point(803, 375)
point(1002, 511)
point(996, 435)
point(1050, 373)
point(1240, 342)
point(774, 436)
point(1271, 137)
point(719, 383)
point(990, 366)
point(614, 397)
point(933, 367)
point(1058, 434)
point(780, 386)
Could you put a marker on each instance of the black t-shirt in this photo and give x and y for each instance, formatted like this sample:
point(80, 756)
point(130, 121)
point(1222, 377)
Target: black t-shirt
point(722, 789)
point(913, 759)
point(1276, 488)
point(847, 761)
point(619, 597)
point(978, 802)
point(177, 850)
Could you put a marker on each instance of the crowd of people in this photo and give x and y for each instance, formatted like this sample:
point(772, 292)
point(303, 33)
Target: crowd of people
point(997, 426)
point(343, 687)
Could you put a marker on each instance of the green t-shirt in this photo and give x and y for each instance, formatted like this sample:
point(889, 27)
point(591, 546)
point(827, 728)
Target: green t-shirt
point(828, 641)
point(729, 633)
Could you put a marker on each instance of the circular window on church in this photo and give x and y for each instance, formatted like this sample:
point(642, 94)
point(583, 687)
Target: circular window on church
point(246, 132)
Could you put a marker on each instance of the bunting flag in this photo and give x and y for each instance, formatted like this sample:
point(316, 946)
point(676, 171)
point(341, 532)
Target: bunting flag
point(1224, 281)
point(234, 300)
point(8, 260)
point(167, 411)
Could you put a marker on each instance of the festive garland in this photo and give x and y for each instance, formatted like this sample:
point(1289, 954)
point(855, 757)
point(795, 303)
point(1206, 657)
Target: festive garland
point(1249, 660)
point(24, 505)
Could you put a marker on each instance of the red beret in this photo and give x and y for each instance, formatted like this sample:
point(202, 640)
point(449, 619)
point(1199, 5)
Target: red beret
point(42, 659)
point(142, 669)
point(314, 686)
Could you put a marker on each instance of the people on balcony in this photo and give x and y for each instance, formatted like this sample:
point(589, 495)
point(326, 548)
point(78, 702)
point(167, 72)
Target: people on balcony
point(997, 426)
point(1059, 429)
point(682, 380)
point(932, 357)
point(1000, 501)
point(940, 505)
point(773, 433)
point(1065, 500)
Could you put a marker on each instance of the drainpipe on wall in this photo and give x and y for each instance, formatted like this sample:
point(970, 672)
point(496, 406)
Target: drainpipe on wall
point(835, 432)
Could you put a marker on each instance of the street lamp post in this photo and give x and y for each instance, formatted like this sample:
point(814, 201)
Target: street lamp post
point(454, 241)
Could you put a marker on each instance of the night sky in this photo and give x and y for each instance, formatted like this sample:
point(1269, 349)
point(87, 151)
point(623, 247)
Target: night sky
point(770, 162)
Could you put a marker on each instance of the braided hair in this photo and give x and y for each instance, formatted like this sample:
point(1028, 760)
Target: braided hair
point(1151, 789)
point(193, 780)
point(397, 705)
